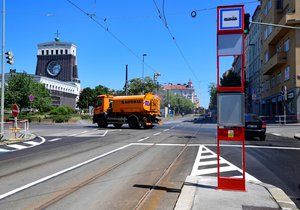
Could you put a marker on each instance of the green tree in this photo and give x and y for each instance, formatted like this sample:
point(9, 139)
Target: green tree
point(101, 90)
point(213, 96)
point(86, 98)
point(18, 89)
point(177, 102)
point(138, 86)
point(230, 79)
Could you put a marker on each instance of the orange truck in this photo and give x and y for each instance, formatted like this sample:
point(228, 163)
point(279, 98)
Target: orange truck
point(137, 111)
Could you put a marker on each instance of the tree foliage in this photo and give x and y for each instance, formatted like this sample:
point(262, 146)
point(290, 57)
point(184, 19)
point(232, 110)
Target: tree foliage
point(88, 96)
point(213, 96)
point(18, 89)
point(138, 86)
point(230, 79)
point(177, 102)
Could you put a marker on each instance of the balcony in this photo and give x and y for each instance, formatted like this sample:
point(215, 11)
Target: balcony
point(289, 19)
point(275, 62)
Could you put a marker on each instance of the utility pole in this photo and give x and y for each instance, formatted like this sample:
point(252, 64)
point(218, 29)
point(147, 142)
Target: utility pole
point(3, 69)
point(126, 80)
point(143, 65)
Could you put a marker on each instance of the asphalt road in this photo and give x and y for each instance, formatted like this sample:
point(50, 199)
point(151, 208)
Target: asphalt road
point(81, 166)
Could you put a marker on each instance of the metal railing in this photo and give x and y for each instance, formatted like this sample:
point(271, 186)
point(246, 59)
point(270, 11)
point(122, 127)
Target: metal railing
point(15, 130)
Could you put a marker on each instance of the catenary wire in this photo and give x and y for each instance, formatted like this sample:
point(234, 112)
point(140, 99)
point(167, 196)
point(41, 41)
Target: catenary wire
point(110, 33)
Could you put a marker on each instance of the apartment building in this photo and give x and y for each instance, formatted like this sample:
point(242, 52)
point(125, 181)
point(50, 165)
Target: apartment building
point(280, 58)
point(253, 65)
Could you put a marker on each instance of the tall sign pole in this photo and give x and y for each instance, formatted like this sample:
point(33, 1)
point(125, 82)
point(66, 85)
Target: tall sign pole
point(231, 99)
point(3, 69)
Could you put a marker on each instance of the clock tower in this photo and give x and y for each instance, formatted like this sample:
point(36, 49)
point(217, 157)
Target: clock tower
point(57, 60)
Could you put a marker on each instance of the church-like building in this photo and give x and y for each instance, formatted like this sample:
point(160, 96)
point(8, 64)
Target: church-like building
point(57, 68)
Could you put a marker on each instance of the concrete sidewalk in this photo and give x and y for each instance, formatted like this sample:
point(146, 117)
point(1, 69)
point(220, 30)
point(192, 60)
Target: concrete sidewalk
point(201, 193)
point(289, 131)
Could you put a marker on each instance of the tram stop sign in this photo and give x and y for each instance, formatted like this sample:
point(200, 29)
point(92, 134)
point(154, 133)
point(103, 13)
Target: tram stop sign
point(15, 110)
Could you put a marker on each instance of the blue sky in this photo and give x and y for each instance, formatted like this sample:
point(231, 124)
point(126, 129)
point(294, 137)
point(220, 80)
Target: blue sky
point(101, 59)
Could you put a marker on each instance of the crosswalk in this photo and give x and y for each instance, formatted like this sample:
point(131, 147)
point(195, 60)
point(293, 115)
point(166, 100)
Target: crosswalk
point(206, 165)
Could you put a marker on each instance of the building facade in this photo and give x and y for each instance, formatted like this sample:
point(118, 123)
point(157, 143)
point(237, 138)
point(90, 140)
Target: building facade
point(280, 56)
point(253, 65)
point(273, 60)
point(185, 90)
point(57, 69)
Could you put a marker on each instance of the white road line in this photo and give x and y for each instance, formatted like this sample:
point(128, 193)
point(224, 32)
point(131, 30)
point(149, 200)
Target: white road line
point(143, 139)
point(104, 133)
point(276, 134)
point(55, 139)
point(33, 143)
point(214, 170)
point(197, 160)
point(156, 134)
point(16, 146)
point(3, 150)
point(60, 173)
point(83, 132)
point(212, 162)
point(142, 144)
point(208, 156)
point(166, 130)
point(254, 146)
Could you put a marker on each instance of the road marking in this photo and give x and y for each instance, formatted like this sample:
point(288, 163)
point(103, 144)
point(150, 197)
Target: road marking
point(275, 134)
point(226, 165)
point(60, 173)
point(4, 150)
point(33, 143)
point(55, 139)
point(84, 131)
point(156, 134)
point(16, 146)
point(222, 145)
point(104, 133)
point(166, 130)
point(143, 139)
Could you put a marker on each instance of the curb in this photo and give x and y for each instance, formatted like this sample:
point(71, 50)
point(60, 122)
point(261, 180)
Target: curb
point(8, 142)
point(279, 196)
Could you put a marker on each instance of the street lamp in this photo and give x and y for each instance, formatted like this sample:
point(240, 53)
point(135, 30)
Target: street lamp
point(143, 64)
point(155, 78)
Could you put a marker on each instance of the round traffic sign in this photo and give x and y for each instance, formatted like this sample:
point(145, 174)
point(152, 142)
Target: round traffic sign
point(15, 110)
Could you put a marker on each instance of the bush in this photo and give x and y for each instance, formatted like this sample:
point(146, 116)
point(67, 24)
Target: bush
point(62, 110)
point(86, 117)
point(60, 118)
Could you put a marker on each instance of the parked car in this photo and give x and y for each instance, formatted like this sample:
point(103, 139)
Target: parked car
point(255, 127)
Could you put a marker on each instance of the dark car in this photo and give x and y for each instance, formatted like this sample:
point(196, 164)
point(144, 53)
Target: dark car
point(255, 127)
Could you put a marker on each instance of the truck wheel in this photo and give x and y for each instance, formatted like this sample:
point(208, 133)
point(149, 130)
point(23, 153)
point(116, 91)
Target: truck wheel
point(133, 122)
point(102, 123)
point(117, 125)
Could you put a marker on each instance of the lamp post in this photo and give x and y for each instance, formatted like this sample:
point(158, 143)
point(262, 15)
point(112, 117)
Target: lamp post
point(143, 64)
point(155, 78)
point(3, 69)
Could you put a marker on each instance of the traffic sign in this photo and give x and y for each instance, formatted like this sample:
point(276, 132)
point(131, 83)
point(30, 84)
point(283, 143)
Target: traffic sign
point(230, 19)
point(15, 110)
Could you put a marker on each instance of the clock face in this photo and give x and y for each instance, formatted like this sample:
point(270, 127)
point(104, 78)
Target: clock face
point(53, 68)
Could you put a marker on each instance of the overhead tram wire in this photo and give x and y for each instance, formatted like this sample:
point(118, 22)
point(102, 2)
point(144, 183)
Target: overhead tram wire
point(175, 42)
point(92, 17)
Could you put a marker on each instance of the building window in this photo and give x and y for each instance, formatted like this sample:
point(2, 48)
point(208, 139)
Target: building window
point(286, 45)
point(42, 52)
point(51, 52)
point(287, 73)
point(66, 51)
point(47, 52)
point(279, 78)
point(266, 56)
point(61, 52)
point(269, 5)
point(56, 52)
point(279, 4)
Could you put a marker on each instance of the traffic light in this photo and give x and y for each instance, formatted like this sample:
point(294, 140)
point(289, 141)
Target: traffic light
point(246, 23)
point(9, 57)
